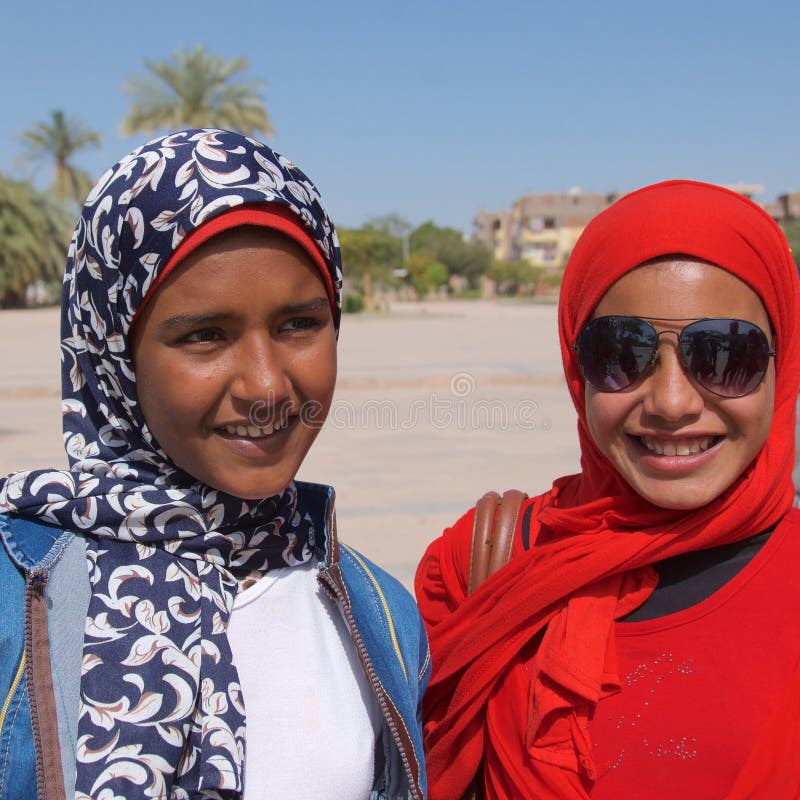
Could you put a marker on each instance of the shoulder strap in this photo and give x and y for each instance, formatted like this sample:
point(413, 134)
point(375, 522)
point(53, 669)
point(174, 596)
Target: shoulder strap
point(493, 534)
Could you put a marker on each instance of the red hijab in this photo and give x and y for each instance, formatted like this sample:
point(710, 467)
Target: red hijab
point(538, 636)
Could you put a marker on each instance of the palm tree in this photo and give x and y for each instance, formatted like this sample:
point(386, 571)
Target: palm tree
point(57, 140)
point(34, 233)
point(196, 89)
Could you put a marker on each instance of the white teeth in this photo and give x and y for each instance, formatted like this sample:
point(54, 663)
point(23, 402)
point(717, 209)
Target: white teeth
point(251, 431)
point(677, 447)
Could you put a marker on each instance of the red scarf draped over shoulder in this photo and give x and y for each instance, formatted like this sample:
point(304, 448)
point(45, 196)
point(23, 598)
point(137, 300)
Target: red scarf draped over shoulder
point(519, 665)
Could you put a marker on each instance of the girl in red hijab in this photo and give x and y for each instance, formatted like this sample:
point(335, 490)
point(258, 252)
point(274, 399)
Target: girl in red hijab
point(641, 641)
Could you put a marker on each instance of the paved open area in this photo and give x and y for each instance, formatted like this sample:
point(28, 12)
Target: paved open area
point(436, 403)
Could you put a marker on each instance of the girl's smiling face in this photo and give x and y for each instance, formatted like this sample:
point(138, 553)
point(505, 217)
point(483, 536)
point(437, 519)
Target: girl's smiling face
point(641, 430)
point(235, 359)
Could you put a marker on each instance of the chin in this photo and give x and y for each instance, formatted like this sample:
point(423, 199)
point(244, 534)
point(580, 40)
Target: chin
point(679, 500)
point(248, 491)
point(255, 494)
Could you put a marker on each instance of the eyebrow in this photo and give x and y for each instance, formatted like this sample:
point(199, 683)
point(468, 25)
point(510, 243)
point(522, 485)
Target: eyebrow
point(317, 304)
point(192, 320)
point(183, 321)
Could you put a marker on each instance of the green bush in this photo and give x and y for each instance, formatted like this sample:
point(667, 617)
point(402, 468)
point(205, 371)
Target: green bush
point(554, 279)
point(353, 303)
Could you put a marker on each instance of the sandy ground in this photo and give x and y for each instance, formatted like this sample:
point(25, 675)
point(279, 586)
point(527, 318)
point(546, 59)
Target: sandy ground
point(436, 403)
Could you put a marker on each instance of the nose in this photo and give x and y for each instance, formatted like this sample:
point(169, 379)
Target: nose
point(669, 394)
point(258, 371)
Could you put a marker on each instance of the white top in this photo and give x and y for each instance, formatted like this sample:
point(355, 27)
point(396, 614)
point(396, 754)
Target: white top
point(312, 720)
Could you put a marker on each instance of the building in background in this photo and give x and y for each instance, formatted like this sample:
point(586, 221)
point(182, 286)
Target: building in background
point(542, 228)
point(786, 207)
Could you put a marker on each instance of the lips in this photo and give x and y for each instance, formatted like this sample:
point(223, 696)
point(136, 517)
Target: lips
point(686, 446)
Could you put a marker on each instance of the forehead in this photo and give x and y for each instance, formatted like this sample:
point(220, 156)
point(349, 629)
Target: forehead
point(244, 237)
point(682, 288)
point(246, 256)
point(242, 272)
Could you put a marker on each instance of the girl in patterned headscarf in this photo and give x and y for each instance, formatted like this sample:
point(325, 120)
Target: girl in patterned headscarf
point(224, 644)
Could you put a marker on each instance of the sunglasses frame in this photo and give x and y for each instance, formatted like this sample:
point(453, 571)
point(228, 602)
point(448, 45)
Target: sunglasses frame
point(681, 355)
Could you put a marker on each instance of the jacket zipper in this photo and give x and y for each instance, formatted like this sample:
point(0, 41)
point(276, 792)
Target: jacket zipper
point(14, 685)
point(372, 675)
point(386, 611)
point(49, 777)
point(35, 584)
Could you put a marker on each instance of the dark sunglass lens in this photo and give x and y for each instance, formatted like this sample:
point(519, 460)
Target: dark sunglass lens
point(727, 356)
point(614, 352)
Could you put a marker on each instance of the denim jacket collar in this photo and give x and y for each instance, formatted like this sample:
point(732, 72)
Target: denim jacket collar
point(27, 547)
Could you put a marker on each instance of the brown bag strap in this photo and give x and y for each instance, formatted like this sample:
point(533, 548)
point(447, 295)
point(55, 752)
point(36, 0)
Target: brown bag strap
point(492, 539)
point(493, 534)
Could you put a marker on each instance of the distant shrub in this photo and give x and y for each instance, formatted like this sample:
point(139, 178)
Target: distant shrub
point(468, 294)
point(353, 304)
point(554, 279)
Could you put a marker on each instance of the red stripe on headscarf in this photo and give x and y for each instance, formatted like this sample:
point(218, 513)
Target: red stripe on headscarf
point(519, 665)
point(274, 216)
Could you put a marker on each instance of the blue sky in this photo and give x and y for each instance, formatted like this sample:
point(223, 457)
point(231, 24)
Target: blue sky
point(435, 109)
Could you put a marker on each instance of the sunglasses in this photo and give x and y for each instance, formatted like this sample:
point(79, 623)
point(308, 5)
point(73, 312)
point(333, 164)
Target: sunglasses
point(728, 357)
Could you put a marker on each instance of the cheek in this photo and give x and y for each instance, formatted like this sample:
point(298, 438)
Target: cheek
point(171, 397)
point(315, 373)
point(330, 372)
point(323, 393)
point(605, 413)
point(755, 419)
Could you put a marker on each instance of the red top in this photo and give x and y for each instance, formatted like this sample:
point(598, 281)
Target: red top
point(670, 732)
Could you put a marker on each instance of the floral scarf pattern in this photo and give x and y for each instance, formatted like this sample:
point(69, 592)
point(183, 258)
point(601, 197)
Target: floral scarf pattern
point(161, 711)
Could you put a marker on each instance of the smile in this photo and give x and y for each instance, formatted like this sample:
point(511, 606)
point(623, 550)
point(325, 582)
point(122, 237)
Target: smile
point(678, 447)
point(255, 431)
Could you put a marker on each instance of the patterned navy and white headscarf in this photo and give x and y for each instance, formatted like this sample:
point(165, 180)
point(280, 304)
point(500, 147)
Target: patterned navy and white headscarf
point(161, 709)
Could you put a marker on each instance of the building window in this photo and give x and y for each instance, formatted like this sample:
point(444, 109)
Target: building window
point(535, 224)
point(540, 252)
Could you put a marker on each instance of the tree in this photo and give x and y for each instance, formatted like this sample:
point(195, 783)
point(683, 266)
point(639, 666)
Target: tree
point(196, 89)
point(369, 250)
point(513, 277)
point(447, 246)
point(57, 140)
point(425, 273)
point(393, 224)
point(396, 226)
point(369, 253)
point(34, 233)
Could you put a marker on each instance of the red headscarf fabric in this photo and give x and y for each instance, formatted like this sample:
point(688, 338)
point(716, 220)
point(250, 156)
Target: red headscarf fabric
point(519, 665)
point(261, 215)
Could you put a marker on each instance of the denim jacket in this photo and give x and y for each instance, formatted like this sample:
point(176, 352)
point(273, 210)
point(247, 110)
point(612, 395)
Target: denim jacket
point(44, 587)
